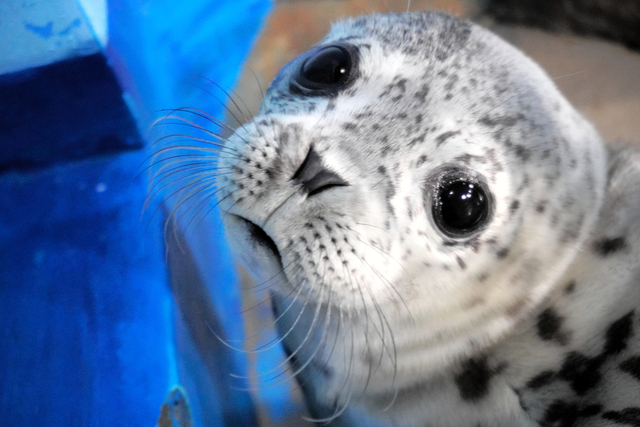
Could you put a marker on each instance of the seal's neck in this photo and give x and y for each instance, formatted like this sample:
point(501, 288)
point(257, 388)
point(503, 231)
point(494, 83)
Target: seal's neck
point(598, 288)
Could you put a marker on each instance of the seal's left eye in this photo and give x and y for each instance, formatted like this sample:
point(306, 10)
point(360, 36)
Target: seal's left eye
point(461, 206)
point(325, 71)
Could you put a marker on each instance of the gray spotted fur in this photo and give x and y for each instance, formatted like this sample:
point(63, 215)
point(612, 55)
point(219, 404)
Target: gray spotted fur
point(532, 321)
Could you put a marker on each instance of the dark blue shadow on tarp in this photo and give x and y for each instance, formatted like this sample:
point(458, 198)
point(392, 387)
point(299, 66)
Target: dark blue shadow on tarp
point(65, 111)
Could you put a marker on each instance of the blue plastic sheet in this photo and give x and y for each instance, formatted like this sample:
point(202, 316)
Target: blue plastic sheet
point(89, 330)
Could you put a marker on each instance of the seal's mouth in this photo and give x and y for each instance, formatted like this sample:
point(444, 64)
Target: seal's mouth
point(258, 235)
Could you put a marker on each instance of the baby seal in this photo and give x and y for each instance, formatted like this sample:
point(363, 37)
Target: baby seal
point(446, 240)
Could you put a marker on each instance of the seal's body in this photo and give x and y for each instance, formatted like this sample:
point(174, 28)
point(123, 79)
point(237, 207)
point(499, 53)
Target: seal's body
point(447, 241)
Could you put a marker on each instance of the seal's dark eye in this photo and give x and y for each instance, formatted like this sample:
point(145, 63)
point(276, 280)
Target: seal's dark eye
point(330, 66)
point(461, 207)
point(325, 71)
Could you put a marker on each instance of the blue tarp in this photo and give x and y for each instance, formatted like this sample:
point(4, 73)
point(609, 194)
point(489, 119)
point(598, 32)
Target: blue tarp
point(85, 315)
point(90, 332)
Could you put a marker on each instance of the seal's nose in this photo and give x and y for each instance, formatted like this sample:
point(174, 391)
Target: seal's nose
point(314, 177)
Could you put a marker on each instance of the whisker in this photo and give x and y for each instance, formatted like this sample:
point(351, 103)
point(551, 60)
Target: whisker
point(230, 98)
point(211, 160)
point(300, 346)
point(267, 346)
point(183, 121)
point(174, 193)
point(158, 185)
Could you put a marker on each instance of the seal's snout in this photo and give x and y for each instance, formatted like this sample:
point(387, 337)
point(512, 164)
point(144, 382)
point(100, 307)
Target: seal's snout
point(314, 177)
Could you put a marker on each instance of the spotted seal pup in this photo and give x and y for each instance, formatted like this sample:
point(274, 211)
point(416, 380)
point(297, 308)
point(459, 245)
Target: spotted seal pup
point(446, 240)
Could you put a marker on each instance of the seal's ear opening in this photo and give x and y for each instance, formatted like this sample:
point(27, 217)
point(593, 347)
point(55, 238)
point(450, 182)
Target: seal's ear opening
point(326, 70)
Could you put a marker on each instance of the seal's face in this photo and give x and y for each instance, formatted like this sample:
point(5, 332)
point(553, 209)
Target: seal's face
point(412, 188)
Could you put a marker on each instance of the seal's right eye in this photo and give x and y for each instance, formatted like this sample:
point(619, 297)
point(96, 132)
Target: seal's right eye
point(326, 71)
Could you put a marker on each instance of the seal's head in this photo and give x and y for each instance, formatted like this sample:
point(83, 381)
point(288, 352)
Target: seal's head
point(417, 186)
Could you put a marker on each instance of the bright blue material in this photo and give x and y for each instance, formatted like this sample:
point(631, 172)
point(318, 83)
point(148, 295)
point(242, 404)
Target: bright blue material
point(83, 340)
point(166, 54)
point(87, 322)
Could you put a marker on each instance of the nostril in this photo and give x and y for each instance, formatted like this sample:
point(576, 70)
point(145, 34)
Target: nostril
point(259, 236)
point(314, 177)
point(323, 181)
point(309, 168)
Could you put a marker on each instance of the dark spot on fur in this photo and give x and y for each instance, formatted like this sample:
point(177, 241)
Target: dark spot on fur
point(629, 416)
point(473, 381)
point(442, 138)
point(522, 152)
point(591, 410)
point(417, 139)
point(421, 95)
point(451, 82)
point(549, 323)
point(605, 247)
point(582, 372)
point(502, 253)
point(461, 263)
point(514, 206)
point(540, 380)
point(618, 334)
point(421, 160)
point(571, 286)
point(632, 366)
point(561, 414)
point(505, 121)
